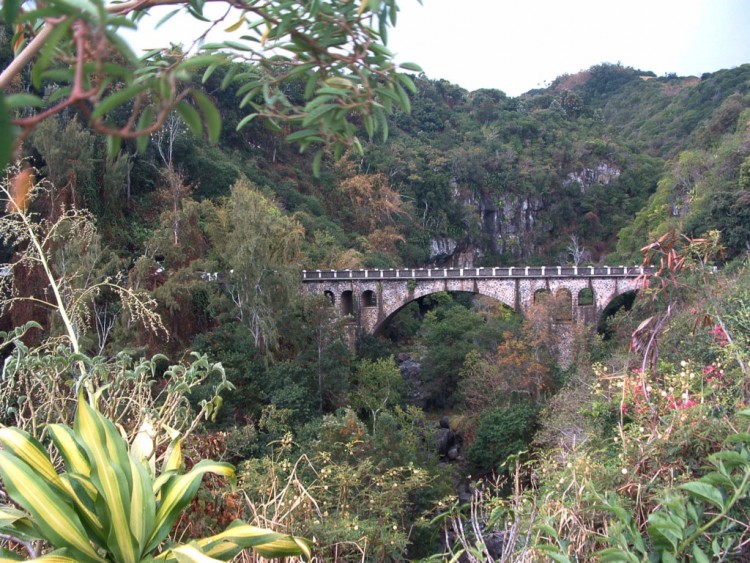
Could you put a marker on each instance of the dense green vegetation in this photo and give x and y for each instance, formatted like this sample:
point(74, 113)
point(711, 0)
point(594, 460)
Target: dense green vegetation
point(641, 452)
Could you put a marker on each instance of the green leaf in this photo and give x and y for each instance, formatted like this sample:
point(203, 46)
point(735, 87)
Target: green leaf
point(177, 493)
point(110, 472)
point(70, 450)
point(82, 6)
point(10, 11)
point(191, 118)
point(200, 61)
point(6, 134)
point(699, 555)
point(48, 50)
point(245, 120)
point(26, 448)
point(316, 163)
point(616, 554)
point(51, 513)
point(144, 121)
point(117, 99)
point(166, 18)
point(142, 505)
point(411, 66)
point(190, 554)
point(210, 114)
point(267, 543)
point(705, 492)
point(739, 437)
point(113, 146)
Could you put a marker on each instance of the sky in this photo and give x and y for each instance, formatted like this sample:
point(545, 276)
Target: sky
point(518, 45)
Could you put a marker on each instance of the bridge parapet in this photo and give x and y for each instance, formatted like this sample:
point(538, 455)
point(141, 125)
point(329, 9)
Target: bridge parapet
point(478, 273)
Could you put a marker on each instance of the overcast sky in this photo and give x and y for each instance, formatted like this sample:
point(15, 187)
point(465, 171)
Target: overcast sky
point(517, 45)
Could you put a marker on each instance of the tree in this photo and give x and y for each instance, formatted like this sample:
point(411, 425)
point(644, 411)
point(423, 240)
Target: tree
point(261, 248)
point(321, 66)
point(376, 385)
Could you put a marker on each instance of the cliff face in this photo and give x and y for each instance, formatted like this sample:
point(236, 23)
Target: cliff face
point(512, 224)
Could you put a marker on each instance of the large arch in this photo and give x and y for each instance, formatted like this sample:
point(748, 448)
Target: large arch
point(383, 323)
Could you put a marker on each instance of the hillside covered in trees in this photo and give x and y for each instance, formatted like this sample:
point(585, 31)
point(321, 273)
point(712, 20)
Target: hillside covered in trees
point(408, 447)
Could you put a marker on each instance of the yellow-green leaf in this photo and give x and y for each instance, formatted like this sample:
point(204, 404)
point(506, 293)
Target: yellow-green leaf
point(191, 554)
point(50, 512)
point(70, 450)
point(25, 447)
point(142, 505)
point(178, 492)
point(173, 457)
point(109, 475)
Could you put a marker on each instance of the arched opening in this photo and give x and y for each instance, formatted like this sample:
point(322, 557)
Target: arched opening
point(585, 297)
point(541, 296)
point(623, 302)
point(431, 337)
point(369, 299)
point(347, 303)
point(563, 310)
point(330, 296)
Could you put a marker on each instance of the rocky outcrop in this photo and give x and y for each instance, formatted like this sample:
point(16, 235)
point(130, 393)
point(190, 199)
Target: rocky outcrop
point(603, 173)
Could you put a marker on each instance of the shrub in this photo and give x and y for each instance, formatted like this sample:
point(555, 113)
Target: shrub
point(502, 432)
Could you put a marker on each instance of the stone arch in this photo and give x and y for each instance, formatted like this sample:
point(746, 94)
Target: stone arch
point(386, 318)
point(586, 297)
point(369, 298)
point(542, 295)
point(347, 303)
point(330, 296)
point(622, 300)
point(563, 305)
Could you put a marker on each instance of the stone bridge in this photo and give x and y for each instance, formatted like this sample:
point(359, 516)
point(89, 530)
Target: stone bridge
point(373, 297)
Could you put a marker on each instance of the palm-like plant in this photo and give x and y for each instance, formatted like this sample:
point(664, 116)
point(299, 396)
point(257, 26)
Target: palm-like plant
point(109, 506)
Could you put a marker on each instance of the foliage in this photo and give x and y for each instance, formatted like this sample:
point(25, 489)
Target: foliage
point(357, 495)
point(261, 248)
point(376, 385)
point(294, 69)
point(502, 432)
point(109, 505)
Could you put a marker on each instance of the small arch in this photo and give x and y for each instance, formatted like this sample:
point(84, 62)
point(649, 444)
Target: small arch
point(585, 297)
point(330, 296)
point(541, 296)
point(347, 303)
point(369, 299)
point(563, 305)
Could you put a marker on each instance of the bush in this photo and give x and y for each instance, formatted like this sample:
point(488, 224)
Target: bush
point(502, 432)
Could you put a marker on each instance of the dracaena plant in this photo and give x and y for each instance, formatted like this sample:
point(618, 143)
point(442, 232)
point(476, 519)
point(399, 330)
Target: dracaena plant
point(109, 505)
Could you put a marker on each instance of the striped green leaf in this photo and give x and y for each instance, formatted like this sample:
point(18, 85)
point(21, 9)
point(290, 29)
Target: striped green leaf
point(28, 449)
point(51, 513)
point(57, 556)
point(110, 479)
point(71, 451)
point(142, 505)
point(189, 553)
point(173, 457)
point(178, 492)
point(84, 495)
point(17, 524)
point(266, 542)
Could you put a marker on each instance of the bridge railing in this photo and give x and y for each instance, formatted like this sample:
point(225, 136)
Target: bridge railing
point(486, 272)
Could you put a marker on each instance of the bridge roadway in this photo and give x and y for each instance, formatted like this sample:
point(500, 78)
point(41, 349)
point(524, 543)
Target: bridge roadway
point(372, 297)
